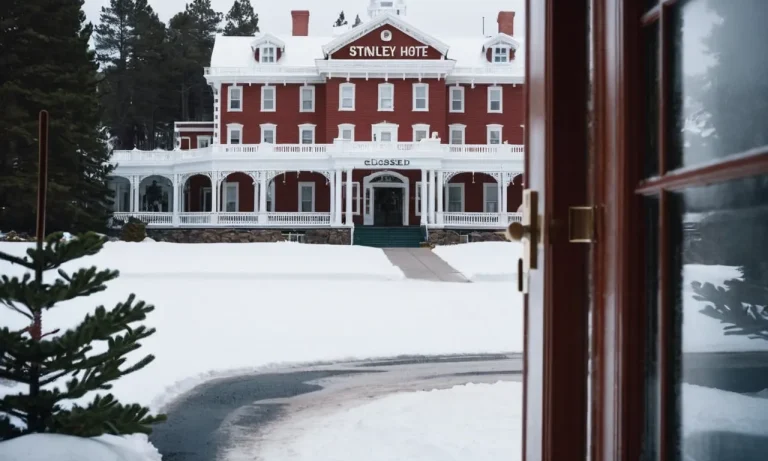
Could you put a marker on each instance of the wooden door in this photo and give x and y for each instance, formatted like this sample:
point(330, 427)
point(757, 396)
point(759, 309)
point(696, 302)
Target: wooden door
point(557, 299)
point(681, 273)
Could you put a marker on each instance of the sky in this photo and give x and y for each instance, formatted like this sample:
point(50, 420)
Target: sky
point(446, 17)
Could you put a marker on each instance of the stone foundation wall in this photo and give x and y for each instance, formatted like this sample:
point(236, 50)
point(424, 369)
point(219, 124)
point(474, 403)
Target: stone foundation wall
point(317, 236)
point(450, 237)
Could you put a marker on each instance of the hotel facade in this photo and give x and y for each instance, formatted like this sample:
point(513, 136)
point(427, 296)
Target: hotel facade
point(381, 124)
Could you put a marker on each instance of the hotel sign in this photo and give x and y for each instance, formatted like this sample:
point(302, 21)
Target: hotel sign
point(387, 162)
point(388, 51)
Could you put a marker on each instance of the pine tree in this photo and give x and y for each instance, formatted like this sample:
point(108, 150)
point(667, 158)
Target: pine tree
point(45, 63)
point(340, 21)
point(241, 20)
point(357, 21)
point(40, 360)
point(192, 35)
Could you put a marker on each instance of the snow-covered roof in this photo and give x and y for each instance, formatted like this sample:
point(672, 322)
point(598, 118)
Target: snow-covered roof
point(468, 52)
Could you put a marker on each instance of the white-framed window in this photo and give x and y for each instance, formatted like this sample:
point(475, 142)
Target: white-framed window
point(203, 141)
point(231, 197)
point(490, 197)
point(420, 131)
point(205, 199)
point(268, 133)
point(267, 54)
point(421, 97)
point(500, 54)
point(417, 198)
point(355, 197)
point(384, 132)
point(494, 99)
point(234, 133)
point(268, 98)
point(306, 197)
point(494, 134)
point(386, 97)
point(235, 98)
point(457, 99)
point(307, 103)
point(456, 133)
point(347, 131)
point(454, 198)
point(307, 133)
point(347, 96)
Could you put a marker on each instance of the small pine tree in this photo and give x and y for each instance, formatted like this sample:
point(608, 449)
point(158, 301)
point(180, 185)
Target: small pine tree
point(340, 21)
point(357, 21)
point(39, 360)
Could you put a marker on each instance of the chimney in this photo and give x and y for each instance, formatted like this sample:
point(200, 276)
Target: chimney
point(300, 23)
point(506, 22)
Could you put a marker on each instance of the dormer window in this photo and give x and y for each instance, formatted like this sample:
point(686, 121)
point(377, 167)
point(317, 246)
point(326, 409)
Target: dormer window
point(268, 54)
point(500, 54)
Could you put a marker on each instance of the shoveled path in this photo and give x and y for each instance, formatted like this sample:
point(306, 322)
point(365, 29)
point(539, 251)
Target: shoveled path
point(423, 264)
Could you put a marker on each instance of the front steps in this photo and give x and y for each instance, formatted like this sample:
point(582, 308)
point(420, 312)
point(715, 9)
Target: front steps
point(388, 237)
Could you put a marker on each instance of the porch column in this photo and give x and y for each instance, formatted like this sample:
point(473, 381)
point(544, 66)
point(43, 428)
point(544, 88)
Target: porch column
point(214, 196)
point(503, 198)
point(175, 203)
point(349, 198)
point(499, 188)
point(432, 181)
point(440, 187)
point(263, 189)
point(336, 221)
point(424, 179)
point(135, 182)
point(256, 193)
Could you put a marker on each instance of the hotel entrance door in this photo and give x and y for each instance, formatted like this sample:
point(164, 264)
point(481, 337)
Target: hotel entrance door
point(388, 206)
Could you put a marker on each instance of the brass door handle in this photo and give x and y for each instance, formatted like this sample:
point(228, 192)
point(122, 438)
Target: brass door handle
point(527, 232)
point(516, 231)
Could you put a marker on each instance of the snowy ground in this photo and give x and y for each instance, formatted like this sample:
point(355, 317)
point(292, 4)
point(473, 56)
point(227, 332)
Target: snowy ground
point(483, 261)
point(220, 310)
point(225, 309)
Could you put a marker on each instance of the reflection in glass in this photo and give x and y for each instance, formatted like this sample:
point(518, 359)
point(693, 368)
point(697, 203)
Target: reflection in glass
point(719, 89)
point(652, 416)
point(651, 99)
point(720, 303)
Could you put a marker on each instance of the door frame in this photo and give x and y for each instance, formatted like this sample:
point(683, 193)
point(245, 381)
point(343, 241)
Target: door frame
point(368, 193)
point(557, 166)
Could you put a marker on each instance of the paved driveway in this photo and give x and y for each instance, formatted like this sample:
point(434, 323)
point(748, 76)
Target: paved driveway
point(423, 264)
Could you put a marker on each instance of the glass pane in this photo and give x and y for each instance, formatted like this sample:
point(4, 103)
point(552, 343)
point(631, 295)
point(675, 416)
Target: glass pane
point(306, 136)
point(386, 136)
point(651, 99)
point(721, 295)
point(719, 90)
point(652, 415)
point(306, 193)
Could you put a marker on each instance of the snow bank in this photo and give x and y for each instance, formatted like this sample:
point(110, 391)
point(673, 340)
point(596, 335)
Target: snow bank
point(483, 261)
point(212, 324)
point(57, 447)
point(479, 422)
point(251, 260)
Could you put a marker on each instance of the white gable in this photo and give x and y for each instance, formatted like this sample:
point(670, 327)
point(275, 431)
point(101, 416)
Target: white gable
point(378, 21)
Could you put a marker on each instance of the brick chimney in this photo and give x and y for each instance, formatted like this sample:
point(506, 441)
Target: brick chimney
point(506, 22)
point(300, 23)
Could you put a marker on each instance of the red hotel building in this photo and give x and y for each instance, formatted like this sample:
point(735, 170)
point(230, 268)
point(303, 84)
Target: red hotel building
point(382, 124)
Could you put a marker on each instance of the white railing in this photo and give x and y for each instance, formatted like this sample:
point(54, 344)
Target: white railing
point(339, 149)
point(479, 220)
point(260, 70)
point(151, 219)
point(229, 219)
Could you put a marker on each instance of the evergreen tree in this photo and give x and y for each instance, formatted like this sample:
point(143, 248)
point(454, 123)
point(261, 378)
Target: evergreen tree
point(340, 21)
point(357, 21)
point(40, 360)
point(45, 63)
point(192, 35)
point(241, 20)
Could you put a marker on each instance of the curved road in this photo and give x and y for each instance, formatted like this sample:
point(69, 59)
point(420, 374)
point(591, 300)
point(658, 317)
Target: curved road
point(209, 421)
